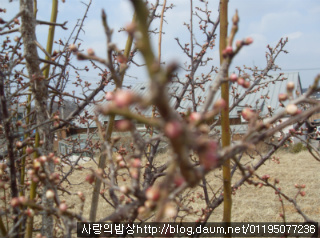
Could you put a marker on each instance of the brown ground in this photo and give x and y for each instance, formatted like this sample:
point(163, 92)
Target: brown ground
point(249, 203)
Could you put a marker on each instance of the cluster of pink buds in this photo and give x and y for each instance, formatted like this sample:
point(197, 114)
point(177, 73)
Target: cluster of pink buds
point(265, 177)
point(120, 161)
point(246, 41)
point(17, 201)
point(239, 80)
point(300, 187)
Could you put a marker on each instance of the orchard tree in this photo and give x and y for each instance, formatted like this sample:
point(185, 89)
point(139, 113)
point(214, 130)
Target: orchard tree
point(134, 181)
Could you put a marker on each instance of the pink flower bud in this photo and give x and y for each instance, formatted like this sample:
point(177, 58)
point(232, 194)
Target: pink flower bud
point(220, 104)
point(19, 144)
point(90, 52)
point(122, 164)
point(248, 41)
point(90, 178)
point(36, 164)
point(173, 129)
point(131, 28)
point(292, 109)
point(142, 210)
point(122, 59)
point(246, 84)
point(149, 204)
point(14, 202)
point(81, 195)
point(283, 97)
point(229, 50)
point(153, 193)
point(239, 43)
point(119, 158)
point(73, 48)
point(290, 86)
point(124, 189)
point(136, 163)
point(208, 154)
point(266, 177)
point(63, 207)
point(233, 77)
point(50, 194)
point(22, 200)
point(123, 98)
point(170, 210)
point(302, 193)
point(195, 116)
point(43, 159)
point(109, 96)
point(29, 150)
point(247, 114)
point(29, 212)
point(56, 160)
point(134, 172)
point(240, 81)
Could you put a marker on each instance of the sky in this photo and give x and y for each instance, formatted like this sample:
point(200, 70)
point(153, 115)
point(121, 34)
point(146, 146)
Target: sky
point(266, 21)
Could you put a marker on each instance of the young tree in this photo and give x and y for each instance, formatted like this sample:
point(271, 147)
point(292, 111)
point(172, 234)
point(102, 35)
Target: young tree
point(137, 182)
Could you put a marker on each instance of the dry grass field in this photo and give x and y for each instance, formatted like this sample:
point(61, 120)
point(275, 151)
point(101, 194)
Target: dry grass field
point(250, 203)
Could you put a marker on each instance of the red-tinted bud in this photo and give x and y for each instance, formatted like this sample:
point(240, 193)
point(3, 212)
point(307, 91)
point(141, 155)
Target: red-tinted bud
point(73, 48)
point(246, 84)
point(29, 150)
point(302, 193)
point(123, 98)
point(195, 116)
point(290, 86)
point(247, 114)
point(248, 40)
point(19, 144)
point(173, 129)
point(63, 207)
point(283, 97)
point(50, 194)
point(14, 202)
point(220, 104)
point(109, 96)
point(90, 178)
point(291, 109)
point(229, 50)
point(90, 52)
point(153, 193)
point(240, 81)
point(233, 77)
point(136, 163)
